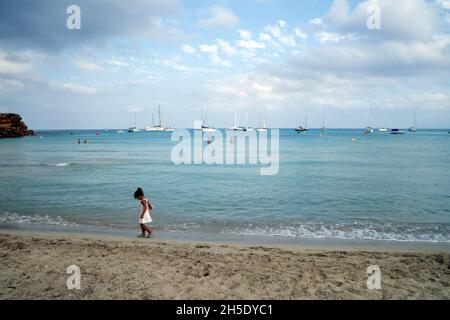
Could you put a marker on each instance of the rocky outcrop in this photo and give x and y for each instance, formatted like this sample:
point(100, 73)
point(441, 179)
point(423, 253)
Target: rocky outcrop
point(12, 126)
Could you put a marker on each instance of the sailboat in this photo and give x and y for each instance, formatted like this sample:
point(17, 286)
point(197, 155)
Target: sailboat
point(236, 125)
point(303, 129)
point(383, 128)
point(158, 127)
point(246, 124)
point(170, 129)
point(414, 127)
point(133, 129)
point(262, 126)
point(369, 129)
point(206, 128)
point(323, 129)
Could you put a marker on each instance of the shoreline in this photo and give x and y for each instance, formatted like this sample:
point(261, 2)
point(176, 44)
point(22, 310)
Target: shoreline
point(233, 239)
point(34, 267)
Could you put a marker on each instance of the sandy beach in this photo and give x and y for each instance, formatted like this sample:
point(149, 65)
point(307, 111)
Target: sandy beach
point(33, 266)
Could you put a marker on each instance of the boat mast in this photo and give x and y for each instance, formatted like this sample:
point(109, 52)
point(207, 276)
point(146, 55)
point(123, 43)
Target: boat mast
point(159, 116)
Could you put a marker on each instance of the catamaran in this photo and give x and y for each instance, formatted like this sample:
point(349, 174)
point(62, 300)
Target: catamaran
point(414, 127)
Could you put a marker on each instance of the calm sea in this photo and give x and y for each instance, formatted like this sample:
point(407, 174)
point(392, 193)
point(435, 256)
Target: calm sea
point(382, 187)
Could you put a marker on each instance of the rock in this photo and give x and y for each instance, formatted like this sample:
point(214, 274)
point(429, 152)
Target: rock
point(12, 126)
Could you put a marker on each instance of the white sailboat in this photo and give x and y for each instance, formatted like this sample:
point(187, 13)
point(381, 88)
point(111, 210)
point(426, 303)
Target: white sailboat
point(246, 124)
point(383, 128)
point(206, 128)
point(262, 126)
point(369, 129)
point(158, 127)
point(323, 129)
point(133, 129)
point(236, 125)
point(414, 127)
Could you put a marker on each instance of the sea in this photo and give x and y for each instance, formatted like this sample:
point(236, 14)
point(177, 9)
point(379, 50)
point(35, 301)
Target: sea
point(335, 186)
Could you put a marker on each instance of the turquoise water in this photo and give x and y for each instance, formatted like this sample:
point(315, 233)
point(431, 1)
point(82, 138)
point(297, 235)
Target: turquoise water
point(382, 187)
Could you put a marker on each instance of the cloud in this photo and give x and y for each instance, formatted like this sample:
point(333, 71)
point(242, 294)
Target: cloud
point(317, 22)
point(74, 88)
point(300, 33)
point(176, 63)
point(9, 66)
point(213, 53)
point(42, 24)
point(87, 65)
point(219, 17)
point(324, 36)
point(226, 47)
point(245, 34)
point(118, 63)
point(188, 49)
point(250, 44)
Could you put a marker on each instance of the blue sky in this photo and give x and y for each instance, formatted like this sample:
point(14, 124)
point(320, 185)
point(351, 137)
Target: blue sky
point(283, 59)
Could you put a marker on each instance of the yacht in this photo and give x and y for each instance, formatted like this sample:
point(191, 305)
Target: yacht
point(397, 131)
point(304, 129)
point(158, 127)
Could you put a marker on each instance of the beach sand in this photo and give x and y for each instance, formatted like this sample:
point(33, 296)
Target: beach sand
point(33, 266)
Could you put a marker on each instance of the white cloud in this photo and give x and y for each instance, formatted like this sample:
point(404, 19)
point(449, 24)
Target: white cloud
point(250, 44)
point(188, 49)
point(8, 66)
point(176, 63)
point(265, 37)
point(74, 88)
point(300, 33)
point(118, 63)
point(213, 53)
point(245, 34)
point(209, 49)
point(219, 17)
point(317, 22)
point(324, 36)
point(226, 47)
point(86, 65)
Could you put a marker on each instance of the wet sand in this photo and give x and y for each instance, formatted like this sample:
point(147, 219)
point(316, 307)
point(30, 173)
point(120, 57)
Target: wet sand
point(33, 266)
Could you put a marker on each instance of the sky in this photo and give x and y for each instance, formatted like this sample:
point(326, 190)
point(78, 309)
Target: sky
point(279, 60)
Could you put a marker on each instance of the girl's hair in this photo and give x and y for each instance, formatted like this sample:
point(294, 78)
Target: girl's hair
point(138, 193)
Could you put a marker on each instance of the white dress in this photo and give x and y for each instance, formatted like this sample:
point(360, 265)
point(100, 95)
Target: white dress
point(146, 219)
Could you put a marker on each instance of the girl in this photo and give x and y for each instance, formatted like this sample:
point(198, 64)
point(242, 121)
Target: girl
point(144, 217)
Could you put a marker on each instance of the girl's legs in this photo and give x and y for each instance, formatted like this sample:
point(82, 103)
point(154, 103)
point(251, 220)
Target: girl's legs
point(142, 230)
point(145, 228)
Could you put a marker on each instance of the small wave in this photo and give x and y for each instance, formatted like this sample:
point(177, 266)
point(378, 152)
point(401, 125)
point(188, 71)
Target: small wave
point(14, 218)
point(356, 231)
point(60, 165)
